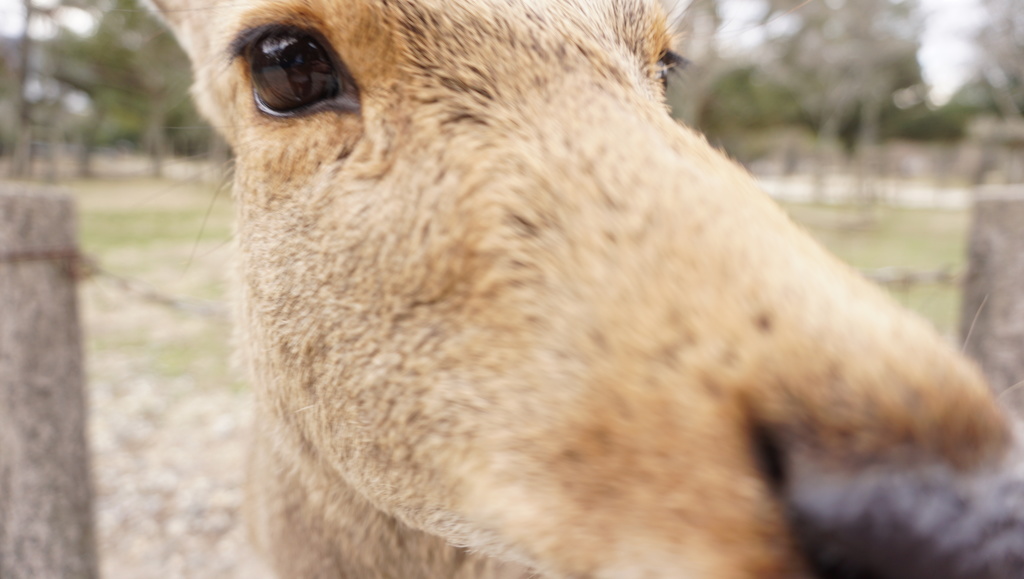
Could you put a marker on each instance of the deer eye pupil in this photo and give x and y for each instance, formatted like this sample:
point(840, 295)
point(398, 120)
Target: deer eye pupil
point(290, 71)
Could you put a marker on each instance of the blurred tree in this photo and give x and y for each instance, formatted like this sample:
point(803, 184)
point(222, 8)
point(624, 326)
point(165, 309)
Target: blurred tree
point(99, 72)
point(746, 101)
point(1001, 43)
point(22, 157)
point(922, 122)
point(844, 60)
point(134, 74)
point(846, 70)
point(36, 97)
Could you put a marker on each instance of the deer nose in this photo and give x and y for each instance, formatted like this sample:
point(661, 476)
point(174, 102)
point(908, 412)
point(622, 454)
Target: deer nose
point(887, 522)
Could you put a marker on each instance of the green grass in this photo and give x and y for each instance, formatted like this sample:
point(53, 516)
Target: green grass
point(142, 213)
point(103, 230)
point(172, 237)
point(922, 239)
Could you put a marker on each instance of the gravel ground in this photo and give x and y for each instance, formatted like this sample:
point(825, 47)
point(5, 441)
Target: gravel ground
point(168, 467)
point(169, 421)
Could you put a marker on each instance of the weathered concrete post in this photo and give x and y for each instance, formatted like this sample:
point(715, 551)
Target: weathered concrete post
point(992, 316)
point(46, 528)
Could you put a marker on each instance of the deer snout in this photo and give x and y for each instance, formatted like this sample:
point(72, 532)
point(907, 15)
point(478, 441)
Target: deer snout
point(914, 490)
point(927, 485)
point(896, 523)
point(740, 409)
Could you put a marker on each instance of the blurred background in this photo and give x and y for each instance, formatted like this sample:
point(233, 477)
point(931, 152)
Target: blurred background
point(871, 121)
point(919, 89)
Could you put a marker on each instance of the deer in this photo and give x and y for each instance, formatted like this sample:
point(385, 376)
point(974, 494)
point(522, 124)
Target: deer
point(505, 318)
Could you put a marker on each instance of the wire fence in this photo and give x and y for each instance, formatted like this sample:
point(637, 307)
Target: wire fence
point(902, 278)
point(86, 267)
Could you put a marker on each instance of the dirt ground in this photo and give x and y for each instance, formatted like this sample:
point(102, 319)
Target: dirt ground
point(169, 412)
point(168, 460)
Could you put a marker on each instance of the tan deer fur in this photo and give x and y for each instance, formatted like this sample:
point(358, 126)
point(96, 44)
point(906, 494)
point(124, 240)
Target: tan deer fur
point(511, 318)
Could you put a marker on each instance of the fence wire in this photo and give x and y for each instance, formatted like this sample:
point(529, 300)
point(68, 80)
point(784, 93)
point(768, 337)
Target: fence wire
point(86, 267)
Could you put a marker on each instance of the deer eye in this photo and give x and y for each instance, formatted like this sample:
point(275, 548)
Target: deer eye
point(667, 64)
point(293, 73)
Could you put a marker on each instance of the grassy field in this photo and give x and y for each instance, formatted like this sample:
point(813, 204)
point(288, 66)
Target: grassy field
point(169, 410)
point(175, 237)
point(921, 239)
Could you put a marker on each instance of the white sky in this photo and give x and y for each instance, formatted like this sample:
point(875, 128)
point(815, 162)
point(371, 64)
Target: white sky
point(946, 54)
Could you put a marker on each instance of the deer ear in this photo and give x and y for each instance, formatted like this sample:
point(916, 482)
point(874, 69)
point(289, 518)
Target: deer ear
point(203, 28)
point(195, 23)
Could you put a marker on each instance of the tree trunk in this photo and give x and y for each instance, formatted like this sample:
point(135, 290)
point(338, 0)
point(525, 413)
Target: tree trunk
point(1015, 163)
point(828, 134)
point(45, 493)
point(156, 143)
point(21, 162)
point(55, 146)
point(992, 316)
point(1003, 97)
point(867, 153)
point(88, 145)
